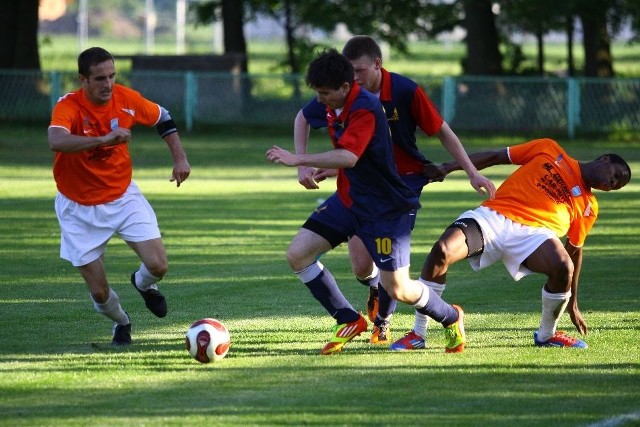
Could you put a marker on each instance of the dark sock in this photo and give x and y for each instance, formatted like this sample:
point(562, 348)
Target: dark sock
point(325, 289)
point(438, 309)
point(386, 304)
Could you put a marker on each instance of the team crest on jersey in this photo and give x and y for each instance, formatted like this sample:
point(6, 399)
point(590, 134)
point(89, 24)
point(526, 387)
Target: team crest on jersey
point(395, 116)
point(575, 191)
point(114, 124)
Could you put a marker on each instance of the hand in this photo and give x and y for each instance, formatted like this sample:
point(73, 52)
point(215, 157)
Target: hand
point(434, 172)
point(306, 177)
point(483, 186)
point(117, 136)
point(280, 155)
point(322, 174)
point(578, 320)
point(181, 172)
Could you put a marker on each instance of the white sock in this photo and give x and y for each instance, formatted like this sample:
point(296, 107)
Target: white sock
point(144, 279)
point(112, 308)
point(553, 305)
point(373, 284)
point(310, 272)
point(421, 322)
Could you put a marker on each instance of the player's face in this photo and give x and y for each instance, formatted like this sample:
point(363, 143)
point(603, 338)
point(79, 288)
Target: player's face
point(334, 98)
point(98, 86)
point(367, 73)
point(611, 176)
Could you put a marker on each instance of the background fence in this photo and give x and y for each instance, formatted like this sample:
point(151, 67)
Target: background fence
point(198, 99)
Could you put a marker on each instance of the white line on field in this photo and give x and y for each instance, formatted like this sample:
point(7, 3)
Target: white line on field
point(617, 420)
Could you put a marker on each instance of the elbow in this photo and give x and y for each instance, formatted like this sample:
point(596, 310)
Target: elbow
point(350, 163)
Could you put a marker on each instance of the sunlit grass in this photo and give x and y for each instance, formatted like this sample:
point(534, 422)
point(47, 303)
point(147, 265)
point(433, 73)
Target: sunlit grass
point(226, 231)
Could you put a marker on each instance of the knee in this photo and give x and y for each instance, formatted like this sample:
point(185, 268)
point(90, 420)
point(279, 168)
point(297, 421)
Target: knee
point(100, 296)
point(295, 260)
point(392, 291)
point(561, 275)
point(158, 268)
point(440, 254)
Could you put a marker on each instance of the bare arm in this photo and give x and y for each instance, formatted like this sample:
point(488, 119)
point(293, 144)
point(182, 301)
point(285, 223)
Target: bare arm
point(181, 167)
point(452, 144)
point(300, 141)
point(62, 140)
point(334, 159)
point(482, 160)
point(575, 254)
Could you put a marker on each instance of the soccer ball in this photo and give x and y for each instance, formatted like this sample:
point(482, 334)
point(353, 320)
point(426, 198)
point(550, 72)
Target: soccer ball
point(208, 340)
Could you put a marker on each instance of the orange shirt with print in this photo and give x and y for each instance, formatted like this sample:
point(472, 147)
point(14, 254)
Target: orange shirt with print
point(100, 175)
point(547, 190)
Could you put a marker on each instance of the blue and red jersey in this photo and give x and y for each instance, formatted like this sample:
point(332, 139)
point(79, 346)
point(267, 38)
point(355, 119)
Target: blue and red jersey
point(372, 189)
point(407, 107)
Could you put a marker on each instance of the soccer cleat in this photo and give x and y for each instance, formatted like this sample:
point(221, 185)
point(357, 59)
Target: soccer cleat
point(381, 334)
point(121, 335)
point(153, 299)
point(410, 341)
point(454, 334)
point(344, 333)
point(559, 339)
point(372, 304)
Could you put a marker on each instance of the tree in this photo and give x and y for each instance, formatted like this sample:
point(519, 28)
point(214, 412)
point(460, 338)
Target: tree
point(483, 53)
point(598, 61)
point(19, 35)
point(231, 12)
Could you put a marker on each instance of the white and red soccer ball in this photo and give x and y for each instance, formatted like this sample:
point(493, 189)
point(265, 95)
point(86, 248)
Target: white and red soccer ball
point(208, 340)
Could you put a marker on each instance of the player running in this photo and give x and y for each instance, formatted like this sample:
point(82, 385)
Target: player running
point(547, 197)
point(89, 132)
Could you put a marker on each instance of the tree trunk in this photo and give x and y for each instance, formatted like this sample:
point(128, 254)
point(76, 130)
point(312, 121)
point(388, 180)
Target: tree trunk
point(540, 41)
point(289, 34)
point(233, 29)
point(19, 35)
point(570, 61)
point(483, 53)
point(597, 45)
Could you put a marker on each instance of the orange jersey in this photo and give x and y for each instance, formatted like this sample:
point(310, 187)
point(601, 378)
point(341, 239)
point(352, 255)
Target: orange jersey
point(547, 190)
point(102, 174)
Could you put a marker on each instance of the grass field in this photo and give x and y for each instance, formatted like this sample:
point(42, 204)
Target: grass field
point(425, 58)
point(226, 230)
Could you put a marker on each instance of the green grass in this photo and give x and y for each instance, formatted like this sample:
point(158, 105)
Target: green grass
point(226, 231)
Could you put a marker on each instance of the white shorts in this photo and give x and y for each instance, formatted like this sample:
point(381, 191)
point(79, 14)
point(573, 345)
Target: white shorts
point(504, 239)
point(86, 230)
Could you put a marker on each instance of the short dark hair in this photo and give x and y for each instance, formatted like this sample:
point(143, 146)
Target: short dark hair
point(90, 57)
point(329, 69)
point(359, 46)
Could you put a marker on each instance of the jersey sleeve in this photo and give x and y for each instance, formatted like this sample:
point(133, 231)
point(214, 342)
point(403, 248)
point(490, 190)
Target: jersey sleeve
point(358, 133)
point(315, 113)
point(63, 114)
point(426, 115)
point(147, 113)
point(522, 153)
point(582, 224)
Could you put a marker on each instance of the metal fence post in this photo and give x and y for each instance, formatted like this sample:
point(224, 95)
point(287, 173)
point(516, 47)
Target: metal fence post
point(190, 98)
point(449, 99)
point(54, 90)
point(573, 106)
